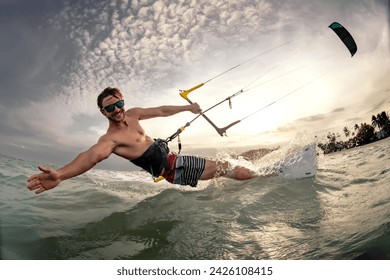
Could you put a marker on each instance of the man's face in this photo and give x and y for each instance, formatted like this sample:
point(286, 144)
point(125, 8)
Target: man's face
point(113, 102)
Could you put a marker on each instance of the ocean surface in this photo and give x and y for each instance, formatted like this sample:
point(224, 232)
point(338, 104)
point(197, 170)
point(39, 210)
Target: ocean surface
point(341, 213)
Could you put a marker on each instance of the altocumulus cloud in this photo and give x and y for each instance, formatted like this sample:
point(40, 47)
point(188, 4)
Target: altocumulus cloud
point(81, 47)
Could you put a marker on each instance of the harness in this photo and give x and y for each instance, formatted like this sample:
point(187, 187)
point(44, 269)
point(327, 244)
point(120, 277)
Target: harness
point(155, 158)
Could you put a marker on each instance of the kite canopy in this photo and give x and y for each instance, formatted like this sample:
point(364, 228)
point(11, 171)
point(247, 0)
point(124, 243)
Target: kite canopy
point(345, 36)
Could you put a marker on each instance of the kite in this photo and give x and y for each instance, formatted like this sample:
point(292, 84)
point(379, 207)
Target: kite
point(345, 36)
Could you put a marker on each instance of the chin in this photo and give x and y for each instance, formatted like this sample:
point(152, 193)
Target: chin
point(119, 118)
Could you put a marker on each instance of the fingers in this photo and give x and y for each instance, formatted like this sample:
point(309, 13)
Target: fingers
point(41, 190)
point(36, 186)
point(38, 176)
point(35, 177)
point(31, 178)
point(196, 108)
point(36, 182)
point(33, 185)
point(44, 169)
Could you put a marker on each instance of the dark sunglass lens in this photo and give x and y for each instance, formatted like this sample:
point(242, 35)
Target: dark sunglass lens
point(110, 108)
point(120, 104)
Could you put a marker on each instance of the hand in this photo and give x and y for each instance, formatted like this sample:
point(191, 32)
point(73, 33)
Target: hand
point(194, 108)
point(48, 179)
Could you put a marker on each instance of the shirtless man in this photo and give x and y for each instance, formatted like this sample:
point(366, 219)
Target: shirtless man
point(126, 138)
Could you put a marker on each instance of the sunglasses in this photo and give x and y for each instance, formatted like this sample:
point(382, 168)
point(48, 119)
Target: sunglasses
point(110, 108)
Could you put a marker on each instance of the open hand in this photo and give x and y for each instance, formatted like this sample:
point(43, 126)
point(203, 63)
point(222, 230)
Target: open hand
point(44, 181)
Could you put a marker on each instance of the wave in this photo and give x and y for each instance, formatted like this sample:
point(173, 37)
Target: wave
point(341, 213)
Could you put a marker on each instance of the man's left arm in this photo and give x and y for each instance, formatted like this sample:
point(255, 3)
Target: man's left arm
point(165, 111)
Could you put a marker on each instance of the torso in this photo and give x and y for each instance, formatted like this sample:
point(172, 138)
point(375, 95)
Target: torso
point(129, 138)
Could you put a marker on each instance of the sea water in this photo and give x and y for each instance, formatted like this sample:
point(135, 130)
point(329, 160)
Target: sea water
point(341, 213)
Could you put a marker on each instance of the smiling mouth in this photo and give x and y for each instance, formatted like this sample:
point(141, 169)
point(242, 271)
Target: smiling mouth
point(118, 114)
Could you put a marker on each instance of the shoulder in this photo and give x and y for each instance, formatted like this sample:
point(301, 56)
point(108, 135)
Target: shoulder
point(107, 139)
point(105, 145)
point(135, 112)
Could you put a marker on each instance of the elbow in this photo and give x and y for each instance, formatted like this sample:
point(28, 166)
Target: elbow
point(91, 159)
point(167, 111)
point(98, 158)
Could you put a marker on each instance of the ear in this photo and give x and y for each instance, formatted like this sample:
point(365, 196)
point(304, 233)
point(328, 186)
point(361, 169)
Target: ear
point(102, 111)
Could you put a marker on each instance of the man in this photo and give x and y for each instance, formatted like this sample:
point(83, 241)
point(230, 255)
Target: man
point(126, 138)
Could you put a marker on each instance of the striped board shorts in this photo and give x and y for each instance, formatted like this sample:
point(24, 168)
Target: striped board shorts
point(189, 169)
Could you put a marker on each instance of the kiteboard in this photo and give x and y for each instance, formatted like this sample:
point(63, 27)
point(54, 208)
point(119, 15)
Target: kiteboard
point(302, 164)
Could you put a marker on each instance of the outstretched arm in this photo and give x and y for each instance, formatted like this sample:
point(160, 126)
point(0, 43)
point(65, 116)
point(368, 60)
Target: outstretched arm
point(50, 178)
point(164, 111)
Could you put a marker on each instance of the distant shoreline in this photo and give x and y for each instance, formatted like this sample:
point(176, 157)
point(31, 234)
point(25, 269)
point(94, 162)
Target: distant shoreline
point(362, 134)
point(357, 147)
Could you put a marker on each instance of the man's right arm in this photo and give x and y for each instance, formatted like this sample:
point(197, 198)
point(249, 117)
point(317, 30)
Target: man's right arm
point(86, 160)
point(50, 178)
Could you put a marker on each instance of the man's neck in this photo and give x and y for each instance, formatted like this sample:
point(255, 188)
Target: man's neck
point(118, 125)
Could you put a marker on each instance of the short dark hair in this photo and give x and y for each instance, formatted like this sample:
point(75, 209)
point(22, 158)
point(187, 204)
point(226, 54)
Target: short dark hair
point(107, 92)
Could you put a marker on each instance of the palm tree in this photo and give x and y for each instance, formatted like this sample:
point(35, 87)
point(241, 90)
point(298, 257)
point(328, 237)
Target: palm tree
point(347, 132)
point(379, 121)
point(365, 134)
point(374, 121)
point(385, 122)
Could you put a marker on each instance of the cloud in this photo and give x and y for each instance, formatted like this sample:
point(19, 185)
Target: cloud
point(150, 49)
point(134, 45)
point(318, 123)
point(146, 37)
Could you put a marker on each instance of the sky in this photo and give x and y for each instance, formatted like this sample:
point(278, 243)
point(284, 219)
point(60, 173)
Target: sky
point(57, 56)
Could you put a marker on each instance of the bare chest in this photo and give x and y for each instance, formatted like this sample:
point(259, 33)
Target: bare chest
point(131, 141)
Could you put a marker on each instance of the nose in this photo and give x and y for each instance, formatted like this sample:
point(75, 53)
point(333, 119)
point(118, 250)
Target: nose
point(117, 110)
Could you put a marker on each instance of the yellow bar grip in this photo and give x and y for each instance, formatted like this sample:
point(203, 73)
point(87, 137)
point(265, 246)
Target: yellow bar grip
point(156, 180)
point(184, 93)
